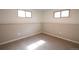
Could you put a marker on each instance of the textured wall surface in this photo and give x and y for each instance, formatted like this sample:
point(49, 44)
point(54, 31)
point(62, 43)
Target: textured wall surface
point(63, 27)
point(13, 27)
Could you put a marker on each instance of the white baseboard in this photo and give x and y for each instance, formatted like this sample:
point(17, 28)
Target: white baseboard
point(61, 37)
point(25, 36)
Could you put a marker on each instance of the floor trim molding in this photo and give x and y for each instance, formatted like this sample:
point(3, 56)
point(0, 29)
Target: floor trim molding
point(61, 37)
point(25, 36)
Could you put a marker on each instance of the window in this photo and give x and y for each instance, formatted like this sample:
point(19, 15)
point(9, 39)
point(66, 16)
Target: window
point(61, 14)
point(57, 14)
point(65, 13)
point(22, 13)
point(28, 14)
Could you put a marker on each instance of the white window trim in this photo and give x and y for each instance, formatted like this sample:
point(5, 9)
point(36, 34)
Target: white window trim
point(25, 13)
point(18, 13)
point(54, 14)
point(30, 12)
point(60, 14)
point(67, 16)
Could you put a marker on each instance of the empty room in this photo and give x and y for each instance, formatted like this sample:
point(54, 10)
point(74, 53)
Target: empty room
point(39, 29)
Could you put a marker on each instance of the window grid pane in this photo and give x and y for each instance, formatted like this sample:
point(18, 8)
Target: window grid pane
point(65, 13)
point(57, 15)
point(21, 13)
point(28, 14)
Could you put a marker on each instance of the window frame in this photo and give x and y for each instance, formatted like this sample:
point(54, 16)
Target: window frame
point(65, 17)
point(25, 13)
point(60, 14)
point(20, 10)
point(28, 11)
point(54, 14)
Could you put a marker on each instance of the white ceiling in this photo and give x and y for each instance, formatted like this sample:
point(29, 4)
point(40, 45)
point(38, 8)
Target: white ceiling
point(44, 9)
point(48, 9)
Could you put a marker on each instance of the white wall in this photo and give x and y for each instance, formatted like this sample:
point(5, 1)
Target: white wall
point(41, 22)
point(67, 28)
point(14, 27)
point(73, 19)
point(10, 16)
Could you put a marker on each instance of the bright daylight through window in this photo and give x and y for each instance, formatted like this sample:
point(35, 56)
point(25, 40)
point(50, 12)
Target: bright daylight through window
point(61, 14)
point(65, 13)
point(23, 13)
point(28, 14)
point(57, 15)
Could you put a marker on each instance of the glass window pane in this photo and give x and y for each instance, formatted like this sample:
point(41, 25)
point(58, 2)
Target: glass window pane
point(57, 15)
point(28, 14)
point(65, 13)
point(21, 13)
